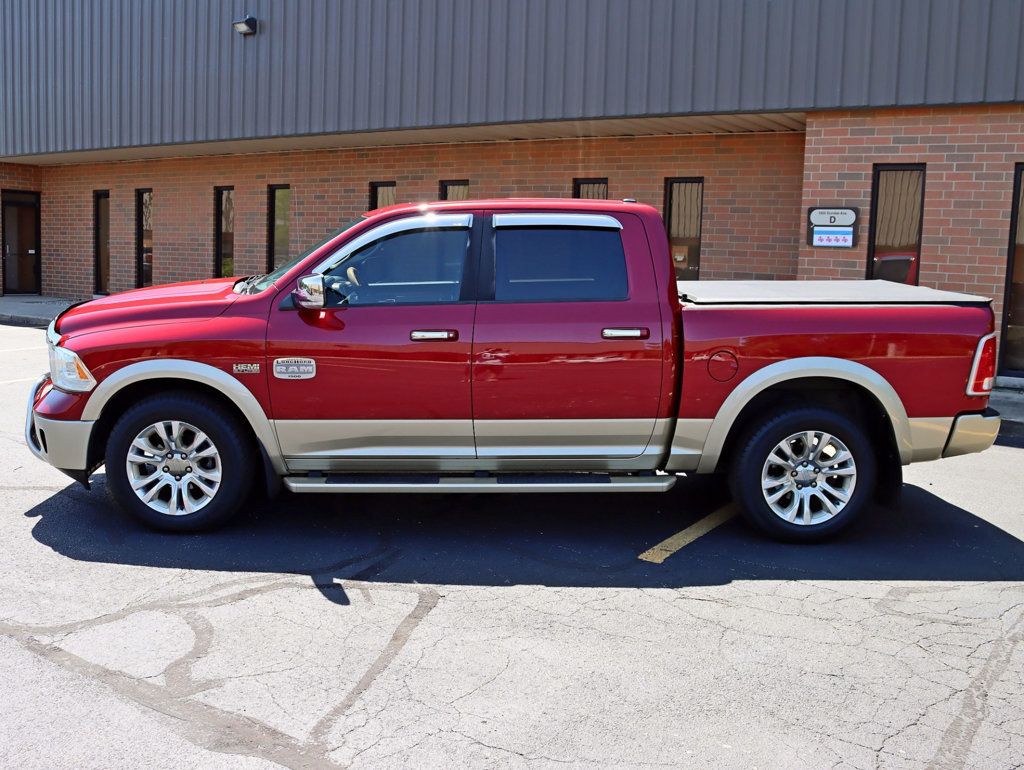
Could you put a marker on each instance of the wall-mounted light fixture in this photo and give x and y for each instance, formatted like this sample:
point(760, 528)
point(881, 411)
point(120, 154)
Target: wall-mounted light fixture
point(246, 26)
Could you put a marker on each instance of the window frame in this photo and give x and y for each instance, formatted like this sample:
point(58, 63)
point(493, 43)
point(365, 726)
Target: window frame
point(218, 233)
point(667, 213)
point(375, 188)
point(1012, 256)
point(97, 196)
point(140, 251)
point(876, 170)
point(444, 184)
point(486, 291)
point(578, 182)
point(271, 221)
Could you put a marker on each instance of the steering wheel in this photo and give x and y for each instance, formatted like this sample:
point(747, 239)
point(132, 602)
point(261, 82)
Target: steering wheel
point(352, 276)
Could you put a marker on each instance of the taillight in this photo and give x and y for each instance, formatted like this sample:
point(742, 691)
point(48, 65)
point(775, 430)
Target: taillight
point(983, 372)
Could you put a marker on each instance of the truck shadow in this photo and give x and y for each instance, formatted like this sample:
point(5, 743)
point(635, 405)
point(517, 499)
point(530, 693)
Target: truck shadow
point(550, 540)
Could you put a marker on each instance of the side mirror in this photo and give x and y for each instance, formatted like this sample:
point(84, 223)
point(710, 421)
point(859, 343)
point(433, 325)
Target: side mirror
point(309, 292)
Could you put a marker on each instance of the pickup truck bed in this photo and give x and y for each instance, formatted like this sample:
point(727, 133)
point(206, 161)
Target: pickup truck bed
point(819, 293)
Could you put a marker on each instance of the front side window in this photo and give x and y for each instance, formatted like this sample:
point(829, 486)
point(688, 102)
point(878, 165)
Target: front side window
point(540, 264)
point(421, 267)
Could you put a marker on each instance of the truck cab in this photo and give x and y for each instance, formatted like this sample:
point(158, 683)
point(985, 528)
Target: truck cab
point(511, 346)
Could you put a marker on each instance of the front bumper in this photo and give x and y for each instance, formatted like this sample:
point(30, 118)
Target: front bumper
point(972, 433)
point(64, 444)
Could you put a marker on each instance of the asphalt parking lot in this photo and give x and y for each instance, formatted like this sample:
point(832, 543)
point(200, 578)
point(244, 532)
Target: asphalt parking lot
point(511, 631)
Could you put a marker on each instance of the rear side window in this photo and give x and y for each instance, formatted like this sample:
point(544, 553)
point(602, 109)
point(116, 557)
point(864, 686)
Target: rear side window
point(537, 264)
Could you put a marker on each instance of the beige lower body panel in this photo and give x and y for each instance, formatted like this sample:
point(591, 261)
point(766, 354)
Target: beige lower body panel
point(450, 445)
point(972, 433)
point(928, 436)
point(688, 444)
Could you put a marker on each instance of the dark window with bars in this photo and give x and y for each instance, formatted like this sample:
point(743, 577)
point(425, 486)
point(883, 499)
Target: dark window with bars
point(595, 188)
point(684, 210)
point(383, 194)
point(224, 234)
point(453, 189)
point(143, 237)
point(101, 241)
point(279, 225)
point(894, 247)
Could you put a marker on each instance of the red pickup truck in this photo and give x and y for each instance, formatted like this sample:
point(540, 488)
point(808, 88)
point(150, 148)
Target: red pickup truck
point(512, 346)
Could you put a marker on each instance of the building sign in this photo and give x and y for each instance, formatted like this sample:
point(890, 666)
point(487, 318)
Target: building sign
point(832, 228)
point(836, 237)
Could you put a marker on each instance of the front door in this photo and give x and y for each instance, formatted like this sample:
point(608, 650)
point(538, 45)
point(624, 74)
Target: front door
point(568, 346)
point(19, 216)
point(380, 378)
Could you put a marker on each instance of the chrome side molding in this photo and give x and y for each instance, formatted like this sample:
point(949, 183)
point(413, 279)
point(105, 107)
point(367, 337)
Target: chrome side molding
point(515, 483)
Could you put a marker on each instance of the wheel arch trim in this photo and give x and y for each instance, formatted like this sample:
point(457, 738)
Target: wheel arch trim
point(191, 372)
point(816, 367)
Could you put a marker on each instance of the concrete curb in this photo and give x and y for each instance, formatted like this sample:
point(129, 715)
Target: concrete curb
point(24, 320)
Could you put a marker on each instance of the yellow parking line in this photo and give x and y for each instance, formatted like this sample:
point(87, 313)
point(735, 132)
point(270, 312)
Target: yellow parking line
point(657, 554)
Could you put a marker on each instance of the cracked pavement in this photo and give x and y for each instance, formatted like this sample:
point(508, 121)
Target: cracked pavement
point(511, 631)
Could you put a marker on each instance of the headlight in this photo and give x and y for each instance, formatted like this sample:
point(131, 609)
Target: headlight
point(66, 369)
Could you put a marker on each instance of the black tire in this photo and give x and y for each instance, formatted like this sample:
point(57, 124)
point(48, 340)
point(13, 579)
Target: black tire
point(233, 444)
point(752, 454)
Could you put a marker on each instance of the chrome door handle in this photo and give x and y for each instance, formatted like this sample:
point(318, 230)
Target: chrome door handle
point(626, 334)
point(446, 335)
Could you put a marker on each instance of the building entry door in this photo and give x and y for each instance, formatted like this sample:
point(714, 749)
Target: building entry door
point(1012, 343)
point(19, 220)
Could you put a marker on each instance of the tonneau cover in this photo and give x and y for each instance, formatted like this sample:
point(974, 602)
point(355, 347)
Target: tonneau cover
point(818, 293)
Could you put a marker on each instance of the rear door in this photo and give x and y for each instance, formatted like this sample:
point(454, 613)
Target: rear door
point(567, 352)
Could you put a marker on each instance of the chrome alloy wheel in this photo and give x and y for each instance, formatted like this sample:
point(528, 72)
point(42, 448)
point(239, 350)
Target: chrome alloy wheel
point(173, 467)
point(808, 478)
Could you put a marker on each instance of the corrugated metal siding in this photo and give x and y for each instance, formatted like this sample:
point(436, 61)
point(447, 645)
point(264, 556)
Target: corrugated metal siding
point(114, 73)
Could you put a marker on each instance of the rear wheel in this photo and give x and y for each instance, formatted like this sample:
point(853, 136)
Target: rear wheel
point(177, 462)
point(804, 475)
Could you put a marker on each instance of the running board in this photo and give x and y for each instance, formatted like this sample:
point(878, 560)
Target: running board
point(369, 483)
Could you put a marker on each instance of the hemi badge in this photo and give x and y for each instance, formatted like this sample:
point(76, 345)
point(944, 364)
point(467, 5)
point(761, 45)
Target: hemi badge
point(294, 368)
point(246, 368)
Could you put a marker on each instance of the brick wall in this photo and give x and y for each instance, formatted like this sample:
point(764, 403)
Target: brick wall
point(752, 224)
point(969, 153)
point(15, 176)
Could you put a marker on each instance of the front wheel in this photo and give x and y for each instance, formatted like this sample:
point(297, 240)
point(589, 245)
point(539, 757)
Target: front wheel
point(178, 462)
point(804, 474)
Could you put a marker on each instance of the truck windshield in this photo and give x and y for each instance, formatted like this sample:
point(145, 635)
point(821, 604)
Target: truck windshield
point(257, 283)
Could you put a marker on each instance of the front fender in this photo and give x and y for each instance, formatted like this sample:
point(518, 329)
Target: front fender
point(193, 372)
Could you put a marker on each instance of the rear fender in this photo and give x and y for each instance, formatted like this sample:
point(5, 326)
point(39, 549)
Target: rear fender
point(799, 368)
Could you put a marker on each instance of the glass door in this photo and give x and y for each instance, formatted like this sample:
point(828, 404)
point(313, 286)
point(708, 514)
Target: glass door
point(894, 234)
point(1012, 364)
point(19, 217)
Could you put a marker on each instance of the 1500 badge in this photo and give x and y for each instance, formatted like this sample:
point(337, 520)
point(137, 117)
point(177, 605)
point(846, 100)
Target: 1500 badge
point(294, 368)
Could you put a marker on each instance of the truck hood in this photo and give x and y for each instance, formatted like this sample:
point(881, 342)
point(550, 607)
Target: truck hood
point(156, 304)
